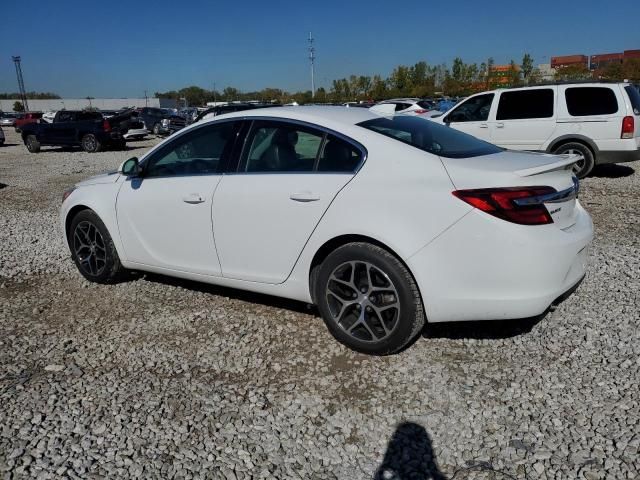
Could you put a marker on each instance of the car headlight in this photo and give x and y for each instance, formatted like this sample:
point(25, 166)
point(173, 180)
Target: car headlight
point(165, 122)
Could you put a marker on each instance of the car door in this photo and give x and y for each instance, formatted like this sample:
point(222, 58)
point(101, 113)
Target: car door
point(164, 216)
point(525, 118)
point(264, 213)
point(472, 116)
point(59, 129)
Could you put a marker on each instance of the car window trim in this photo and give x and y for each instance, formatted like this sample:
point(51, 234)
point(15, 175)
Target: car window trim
point(163, 149)
point(326, 131)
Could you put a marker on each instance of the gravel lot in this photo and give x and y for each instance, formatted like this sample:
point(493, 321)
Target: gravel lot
point(164, 378)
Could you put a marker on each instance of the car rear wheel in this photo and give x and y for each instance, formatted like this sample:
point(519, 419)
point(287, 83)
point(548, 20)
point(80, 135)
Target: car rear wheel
point(93, 250)
point(32, 143)
point(368, 299)
point(583, 167)
point(90, 143)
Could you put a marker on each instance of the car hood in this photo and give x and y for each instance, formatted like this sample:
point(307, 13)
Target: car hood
point(109, 177)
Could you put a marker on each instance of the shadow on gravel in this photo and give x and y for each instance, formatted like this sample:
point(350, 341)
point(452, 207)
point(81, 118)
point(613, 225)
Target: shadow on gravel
point(483, 329)
point(242, 295)
point(409, 455)
point(3, 185)
point(612, 170)
point(10, 144)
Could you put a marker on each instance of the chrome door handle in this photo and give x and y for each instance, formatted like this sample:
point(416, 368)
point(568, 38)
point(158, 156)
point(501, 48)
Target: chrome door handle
point(499, 125)
point(304, 197)
point(484, 125)
point(193, 198)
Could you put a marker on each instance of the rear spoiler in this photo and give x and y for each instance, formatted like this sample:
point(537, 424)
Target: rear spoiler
point(562, 163)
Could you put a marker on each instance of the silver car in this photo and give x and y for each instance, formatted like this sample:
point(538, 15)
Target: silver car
point(8, 120)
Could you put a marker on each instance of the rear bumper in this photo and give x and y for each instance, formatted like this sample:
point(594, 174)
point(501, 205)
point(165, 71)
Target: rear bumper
point(483, 268)
point(136, 132)
point(617, 156)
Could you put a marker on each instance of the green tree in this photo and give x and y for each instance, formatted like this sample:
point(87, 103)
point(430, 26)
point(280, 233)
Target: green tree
point(526, 67)
point(379, 89)
point(573, 72)
point(513, 74)
point(18, 107)
point(631, 69)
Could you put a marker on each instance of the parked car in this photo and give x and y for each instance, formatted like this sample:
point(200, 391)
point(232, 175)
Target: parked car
point(152, 118)
point(171, 124)
point(597, 121)
point(77, 128)
point(382, 222)
point(135, 126)
point(28, 117)
point(229, 108)
point(8, 119)
point(1, 137)
point(411, 106)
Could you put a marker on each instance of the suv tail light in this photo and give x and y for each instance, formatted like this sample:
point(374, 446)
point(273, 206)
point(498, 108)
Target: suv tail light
point(501, 203)
point(628, 127)
point(106, 126)
point(420, 111)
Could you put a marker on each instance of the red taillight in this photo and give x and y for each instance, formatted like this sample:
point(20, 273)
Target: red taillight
point(420, 111)
point(106, 126)
point(628, 127)
point(499, 202)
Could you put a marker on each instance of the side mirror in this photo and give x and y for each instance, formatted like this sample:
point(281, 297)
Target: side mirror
point(130, 168)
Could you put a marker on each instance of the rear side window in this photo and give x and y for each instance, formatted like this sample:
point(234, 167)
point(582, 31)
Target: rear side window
point(521, 104)
point(430, 136)
point(338, 156)
point(634, 97)
point(585, 101)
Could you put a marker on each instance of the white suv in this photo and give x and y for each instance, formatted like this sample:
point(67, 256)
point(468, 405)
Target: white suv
point(598, 121)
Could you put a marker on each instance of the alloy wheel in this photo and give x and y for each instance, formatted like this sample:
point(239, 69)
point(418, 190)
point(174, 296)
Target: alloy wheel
point(89, 248)
point(363, 301)
point(579, 165)
point(89, 143)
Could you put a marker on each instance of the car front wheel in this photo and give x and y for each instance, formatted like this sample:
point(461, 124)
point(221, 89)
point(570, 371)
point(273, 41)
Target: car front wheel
point(32, 143)
point(93, 250)
point(368, 299)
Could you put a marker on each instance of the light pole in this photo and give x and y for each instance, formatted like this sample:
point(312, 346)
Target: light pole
point(312, 58)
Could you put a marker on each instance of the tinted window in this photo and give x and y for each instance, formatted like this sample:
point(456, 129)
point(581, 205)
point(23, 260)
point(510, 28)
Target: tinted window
point(64, 117)
point(537, 103)
point(427, 105)
point(583, 101)
point(634, 97)
point(338, 156)
point(198, 152)
point(402, 106)
point(475, 109)
point(430, 137)
point(281, 147)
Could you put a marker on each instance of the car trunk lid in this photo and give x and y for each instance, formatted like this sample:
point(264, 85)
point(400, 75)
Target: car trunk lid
point(510, 169)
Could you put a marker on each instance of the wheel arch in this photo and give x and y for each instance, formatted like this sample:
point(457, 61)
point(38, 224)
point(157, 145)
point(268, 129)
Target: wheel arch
point(330, 245)
point(574, 138)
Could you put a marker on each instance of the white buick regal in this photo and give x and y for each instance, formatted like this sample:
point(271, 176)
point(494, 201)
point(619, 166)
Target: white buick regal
point(383, 222)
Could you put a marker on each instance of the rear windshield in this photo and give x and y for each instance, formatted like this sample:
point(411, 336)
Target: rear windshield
point(634, 97)
point(430, 136)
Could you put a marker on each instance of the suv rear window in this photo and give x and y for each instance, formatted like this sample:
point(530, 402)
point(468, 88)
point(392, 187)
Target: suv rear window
point(430, 136)
point(634, 97)
point(521, 104)
point(585, 101)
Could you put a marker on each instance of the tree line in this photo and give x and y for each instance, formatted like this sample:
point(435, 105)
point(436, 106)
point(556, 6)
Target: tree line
point(30, 96)
point(418, 80)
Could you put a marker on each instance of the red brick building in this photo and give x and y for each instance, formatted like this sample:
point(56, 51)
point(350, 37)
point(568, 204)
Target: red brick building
point(569, 60)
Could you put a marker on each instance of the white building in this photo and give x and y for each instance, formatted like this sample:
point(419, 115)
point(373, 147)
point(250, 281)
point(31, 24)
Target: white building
point(547, 73)
point(80, 103)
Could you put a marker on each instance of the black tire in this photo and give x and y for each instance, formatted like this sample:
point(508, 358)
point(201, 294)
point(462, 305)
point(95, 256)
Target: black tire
point(90, 143)
point(32, 143)
point(379, 278)
point(584, 167)
point(156, 129)
point(105, 266)
point(18, 130)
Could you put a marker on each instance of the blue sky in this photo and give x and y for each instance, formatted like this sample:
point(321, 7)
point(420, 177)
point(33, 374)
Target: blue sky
point(120, 48)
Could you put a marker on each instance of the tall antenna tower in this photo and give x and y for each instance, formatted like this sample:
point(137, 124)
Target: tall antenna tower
point(23, 94)
point(312, 58)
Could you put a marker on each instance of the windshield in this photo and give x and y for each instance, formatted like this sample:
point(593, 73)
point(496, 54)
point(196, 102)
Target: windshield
point(430, 136)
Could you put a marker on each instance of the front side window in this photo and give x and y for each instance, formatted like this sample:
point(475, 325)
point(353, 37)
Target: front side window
point(585, 101)
point(198, 152)
point(475, 109)
point(64, 117)
point(524, 104)
point(281, 147)
point(430, 136)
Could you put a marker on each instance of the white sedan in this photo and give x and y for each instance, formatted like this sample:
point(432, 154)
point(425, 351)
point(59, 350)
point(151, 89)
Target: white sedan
point(382, 222)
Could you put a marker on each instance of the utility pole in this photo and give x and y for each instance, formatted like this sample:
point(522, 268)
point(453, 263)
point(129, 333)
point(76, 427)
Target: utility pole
point(146, 100)
point(23, 93)
point(312, 58)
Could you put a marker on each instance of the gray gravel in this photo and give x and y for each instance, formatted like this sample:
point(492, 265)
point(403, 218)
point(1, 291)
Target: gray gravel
point(170, 379)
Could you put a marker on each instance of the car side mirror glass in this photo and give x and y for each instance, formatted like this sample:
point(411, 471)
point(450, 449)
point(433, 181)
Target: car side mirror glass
point(130, 167)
